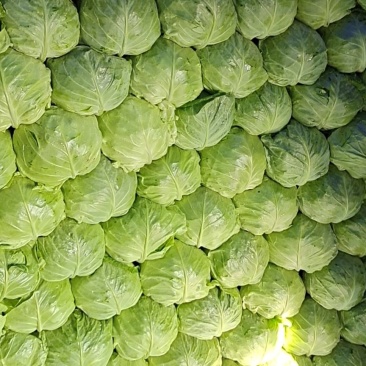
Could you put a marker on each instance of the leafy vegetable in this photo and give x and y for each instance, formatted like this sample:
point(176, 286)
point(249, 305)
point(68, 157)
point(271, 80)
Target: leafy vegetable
point(240, 261)
point(119, 27)
point(261, 19)
point(175, 174)
point(105, 192)
point(296, 155)
point(141, 233)
point(52, 30)
point(234, 66)
point(197, 23)
point(307, 245)
point(7, 159)
point(237, 163)
point(71, 250)
point(182, 275)
point(266, 110)
point(354, 324)
point(145, 330)
point(211, 219)
point(59, 146)
point(28, 211)
point(132, 145)
point(340, 285)
point(112, 288)
point(88, 82)
point(303, 62)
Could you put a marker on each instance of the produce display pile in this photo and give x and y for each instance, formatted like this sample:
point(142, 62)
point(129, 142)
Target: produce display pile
point(182, 182)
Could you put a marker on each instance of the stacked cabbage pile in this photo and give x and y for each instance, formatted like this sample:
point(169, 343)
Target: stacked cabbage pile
point(182, 182)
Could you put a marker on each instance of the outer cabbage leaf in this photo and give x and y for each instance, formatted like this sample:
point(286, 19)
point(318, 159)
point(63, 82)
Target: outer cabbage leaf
point(117, 360)
point(168, 73)
point(182, 275)
point(24, 95)
point(28, 211)
point(19, 273)
point(204, 122)
point(105, 192)
point(147, 329)
point(269, 207)
point(21, 350)
point(80, 341)
point(237, 163)
point(51, 31)
point(279, 293)
point(5, 42)
point(296, 155)
point(322, 13)
point(260, 340)
point(112, 288)
point(346, 42)
point(59, 146)
point(240, 261)
point(211, 219)
point(190, 351)
point(7, 158)
point(47, 309)
point(340, 285)
point(134, 134)
point(351, 233)
point(212, 315)
point(343, 354)
point(88, 82)
point(332, 198)
point(119, 27)
point(197, 23)
point(331, 102)
point(267, 110)
point(314, 330)
point(286, 359)
point(234, 66)
point(71, 250)
point(307, 245)
point(173, 176)
point(141, 233)
point(303, 62)
point(263, 18)
point(348, 147)
point(354, 324)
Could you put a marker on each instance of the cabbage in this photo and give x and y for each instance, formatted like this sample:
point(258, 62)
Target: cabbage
point(173, 176)
point(211, 219)
point(211, 316)
point(105, 78)
point(107, 191)
point(340, 285)
point(332, 198)
point(59, 146)
point(269, 207)
point(240, 261)
point(7, 158)
point(267, 110)
point(263, 18)
point(348, 147)
point(204, 122)
point(303, 62)
point(279, 293)
point(112, 288)
point(54, 26)
point(197, 23)
point(182, 275)
point(237, 163)
point(313, 331)
point(354, 324)
point(307, 245)
point(119, 27)
point(117, 360)
point(145, 330)
point(234, 66)
point(331, 102)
